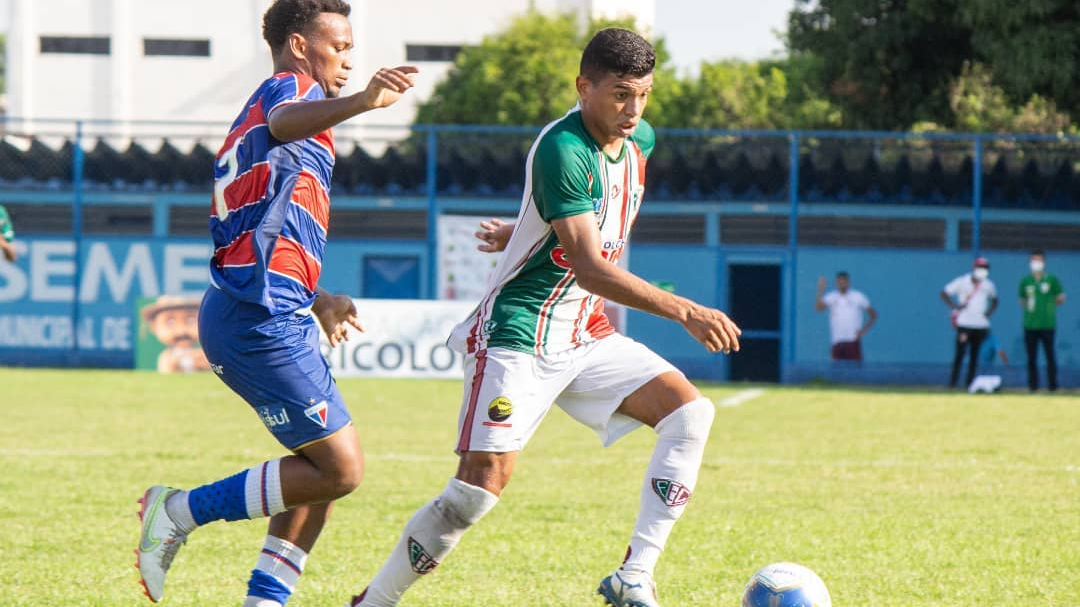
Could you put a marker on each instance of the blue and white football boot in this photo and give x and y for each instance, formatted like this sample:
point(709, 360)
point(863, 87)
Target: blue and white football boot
point(629, 589)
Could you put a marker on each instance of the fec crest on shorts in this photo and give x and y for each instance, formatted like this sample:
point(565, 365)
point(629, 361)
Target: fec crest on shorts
point(673, 493)
point(317, 413)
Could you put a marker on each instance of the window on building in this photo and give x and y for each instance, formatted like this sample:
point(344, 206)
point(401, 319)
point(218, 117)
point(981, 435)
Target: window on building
point(76, 45)
point(432, 52)
point(175, 47)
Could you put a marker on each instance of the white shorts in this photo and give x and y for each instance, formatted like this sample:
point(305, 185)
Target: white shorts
point(508, 393)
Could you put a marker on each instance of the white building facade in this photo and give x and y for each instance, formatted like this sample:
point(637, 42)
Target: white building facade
point(126, 62)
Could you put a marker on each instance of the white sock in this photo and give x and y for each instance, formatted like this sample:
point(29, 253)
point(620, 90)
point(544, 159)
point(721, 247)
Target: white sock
point(669, 481)
point(428, 537)
point(180, 512)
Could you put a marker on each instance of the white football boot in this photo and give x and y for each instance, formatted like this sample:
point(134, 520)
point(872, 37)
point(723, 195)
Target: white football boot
point(160, 541)
point(629, 589)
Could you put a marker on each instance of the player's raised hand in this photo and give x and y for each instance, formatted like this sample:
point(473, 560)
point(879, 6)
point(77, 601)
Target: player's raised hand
point(388, 85)
point(493, 234)
point(335, 313)
point(713, 328)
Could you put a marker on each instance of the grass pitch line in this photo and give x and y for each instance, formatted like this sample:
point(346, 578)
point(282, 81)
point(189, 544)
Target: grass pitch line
point(741, 397)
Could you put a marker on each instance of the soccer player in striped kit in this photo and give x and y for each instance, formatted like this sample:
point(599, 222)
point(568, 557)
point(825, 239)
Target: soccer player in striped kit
point(540, 336)
point(257, 322)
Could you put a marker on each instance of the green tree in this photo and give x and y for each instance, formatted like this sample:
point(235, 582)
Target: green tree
point(525, 76)
point(889, 64)
point(522, 75)
point(1033, 47)
point(979, 105)
point(886, 64)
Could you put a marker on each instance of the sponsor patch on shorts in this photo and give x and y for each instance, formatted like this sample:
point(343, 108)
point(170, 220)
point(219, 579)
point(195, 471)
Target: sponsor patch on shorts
point(500, 409)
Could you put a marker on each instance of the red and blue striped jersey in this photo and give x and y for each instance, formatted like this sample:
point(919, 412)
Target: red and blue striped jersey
point(271, 204)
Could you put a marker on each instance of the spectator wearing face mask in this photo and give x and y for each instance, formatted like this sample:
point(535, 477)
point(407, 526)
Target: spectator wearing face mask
point(972, 298)
point(1040, 295)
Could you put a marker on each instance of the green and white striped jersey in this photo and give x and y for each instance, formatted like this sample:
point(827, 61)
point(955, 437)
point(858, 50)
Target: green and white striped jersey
point(533, 302)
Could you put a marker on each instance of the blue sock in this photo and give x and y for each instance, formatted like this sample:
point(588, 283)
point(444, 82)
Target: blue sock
point(253, 493)
point(266, 586)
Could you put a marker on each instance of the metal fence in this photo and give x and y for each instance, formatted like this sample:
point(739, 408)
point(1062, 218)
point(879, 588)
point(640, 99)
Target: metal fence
point(724, 190)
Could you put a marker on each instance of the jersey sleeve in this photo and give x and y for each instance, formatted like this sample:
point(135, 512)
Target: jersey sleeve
point(561, 179)
point(864, 301)
point(953, 288)
point(645, 137)
point(290, 88)
point(829, 299)
point(1055, 286)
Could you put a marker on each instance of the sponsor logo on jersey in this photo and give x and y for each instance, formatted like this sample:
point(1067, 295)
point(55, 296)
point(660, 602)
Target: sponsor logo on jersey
point(273, 419)
point(489, 327)
point(673, 493)
point(558, 257)
point(615, 190)
point(500, 409)
point(317, 413)
point(420, 560)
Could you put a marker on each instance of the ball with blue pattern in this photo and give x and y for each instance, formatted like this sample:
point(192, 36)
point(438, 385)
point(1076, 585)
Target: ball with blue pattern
point(786, 585)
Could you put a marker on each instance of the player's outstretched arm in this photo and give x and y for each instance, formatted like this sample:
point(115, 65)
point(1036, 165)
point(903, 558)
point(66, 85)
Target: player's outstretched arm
point(334, 313)
point(494, 234)
point(297, 121)
point(580, 240)
point(9, 250)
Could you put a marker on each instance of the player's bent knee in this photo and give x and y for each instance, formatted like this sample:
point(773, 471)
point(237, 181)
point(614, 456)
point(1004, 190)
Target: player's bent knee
point(692, 421)
point(344, 476)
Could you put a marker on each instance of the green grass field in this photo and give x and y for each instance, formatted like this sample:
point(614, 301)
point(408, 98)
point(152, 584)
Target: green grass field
point(894, 497)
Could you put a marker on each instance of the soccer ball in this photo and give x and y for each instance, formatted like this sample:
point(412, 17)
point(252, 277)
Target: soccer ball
point(785, 585)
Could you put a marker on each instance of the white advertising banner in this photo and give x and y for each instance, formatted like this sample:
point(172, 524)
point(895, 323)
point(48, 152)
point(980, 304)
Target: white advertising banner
point(401, 338)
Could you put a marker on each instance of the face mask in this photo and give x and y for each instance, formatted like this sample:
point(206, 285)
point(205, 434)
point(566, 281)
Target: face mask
point(980, 273)
point(1037, 265)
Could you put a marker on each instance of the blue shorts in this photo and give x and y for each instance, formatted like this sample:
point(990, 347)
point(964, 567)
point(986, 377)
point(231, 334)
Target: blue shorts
point(273, 362)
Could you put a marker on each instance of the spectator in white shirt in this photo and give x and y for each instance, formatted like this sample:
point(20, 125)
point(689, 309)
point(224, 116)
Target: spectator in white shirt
point(972, 299)
point(850, 316)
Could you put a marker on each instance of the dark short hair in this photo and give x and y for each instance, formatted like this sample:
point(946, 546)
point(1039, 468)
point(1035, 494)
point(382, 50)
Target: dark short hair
point(286, 17)
point(842, 274)
point(1039, 252)
point(617, 51)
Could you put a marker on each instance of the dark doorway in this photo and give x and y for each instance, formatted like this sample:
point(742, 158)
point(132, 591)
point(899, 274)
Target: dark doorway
point(755, 293)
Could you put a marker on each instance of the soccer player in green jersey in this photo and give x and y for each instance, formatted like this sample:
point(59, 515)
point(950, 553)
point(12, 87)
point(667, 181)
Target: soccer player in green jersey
point(7, 236)
point(1040, 295)
point(540, 335)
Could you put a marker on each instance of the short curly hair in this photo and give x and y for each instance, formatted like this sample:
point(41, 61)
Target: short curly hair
point(286, 17)
point(617, 51)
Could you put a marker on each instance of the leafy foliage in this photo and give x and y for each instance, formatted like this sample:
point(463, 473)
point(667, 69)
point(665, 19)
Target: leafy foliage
point(525, 75)
point(889, 64)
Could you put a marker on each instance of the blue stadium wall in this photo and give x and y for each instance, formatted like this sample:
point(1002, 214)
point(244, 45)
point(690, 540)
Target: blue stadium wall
point(912, 342)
